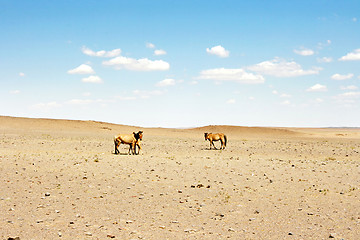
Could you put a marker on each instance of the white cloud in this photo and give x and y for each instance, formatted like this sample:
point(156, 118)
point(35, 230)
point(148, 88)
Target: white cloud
point(147, 94)
point(319, 100)
point(304, 52)
point(251, 98)
point(79, 101)
point(15, 92)
point(102, 53)
point(218, 51)
point(275, 92)
point(46, 106)
point(231, 101)
point(82, 69)
point(281, 68)
point(317, 88)
point(342, 77)
point(166, 82)
point(193, 82)
point(284, 95)
point(325, 60)
point(150, 45)
point(354, 19)
point(159, 52)
point(350, 95)
point(352, 56)
point(92, 79)
point(21, 74)
point(142, 64)
point(351, 87)
point(321, 45)
point(286, 102)
point(227, 74)
point(122, 98)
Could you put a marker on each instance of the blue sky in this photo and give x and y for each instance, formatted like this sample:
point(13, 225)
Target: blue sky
point(182, 63)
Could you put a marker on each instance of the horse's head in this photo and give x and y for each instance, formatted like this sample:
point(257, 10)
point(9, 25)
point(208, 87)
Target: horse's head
point(138, 135)
point(206, 136)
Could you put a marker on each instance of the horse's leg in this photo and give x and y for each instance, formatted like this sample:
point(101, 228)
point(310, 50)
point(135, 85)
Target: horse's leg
point(222, 143)
point(213, 145)
point(116, 145)
point(138, 144)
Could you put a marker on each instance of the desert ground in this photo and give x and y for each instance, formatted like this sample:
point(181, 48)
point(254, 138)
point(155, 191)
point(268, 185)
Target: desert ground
point(60, 179)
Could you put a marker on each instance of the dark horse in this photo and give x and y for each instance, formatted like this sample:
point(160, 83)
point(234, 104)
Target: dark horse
point(216, 137)
point(131, 139)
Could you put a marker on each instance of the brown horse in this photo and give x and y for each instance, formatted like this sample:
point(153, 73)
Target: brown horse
point(131, 139)
point(216, 137)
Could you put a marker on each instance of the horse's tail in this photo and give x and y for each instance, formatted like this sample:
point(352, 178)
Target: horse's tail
point(116, 141)
point(225, 139)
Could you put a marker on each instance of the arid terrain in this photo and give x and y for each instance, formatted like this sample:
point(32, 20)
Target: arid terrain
point(61, 180)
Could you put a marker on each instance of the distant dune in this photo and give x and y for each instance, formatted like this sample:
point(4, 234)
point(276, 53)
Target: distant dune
point(62, 125)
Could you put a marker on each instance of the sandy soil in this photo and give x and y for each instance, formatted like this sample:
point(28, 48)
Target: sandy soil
point(59, 179)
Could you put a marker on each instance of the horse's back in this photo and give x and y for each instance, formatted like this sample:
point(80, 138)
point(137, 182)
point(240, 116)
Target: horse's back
point(125, 138)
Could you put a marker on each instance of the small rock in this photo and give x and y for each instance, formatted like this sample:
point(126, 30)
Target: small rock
point(110, 236)
point(332, 235)
point(290, 233)
point(15, 238)
point(88, 234)
point(47, 194)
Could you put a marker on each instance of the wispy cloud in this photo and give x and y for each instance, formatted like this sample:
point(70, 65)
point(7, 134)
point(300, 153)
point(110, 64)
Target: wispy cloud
point(350, 95)
point(352, 56)
point(101, 53)
point(219, 51)
point(46, 106)
point(150, 45)
point(341, 77)
point(82, 69)
point(87, 101)
point(304, 52)
point(231, 101)
point(325, 60)
point(21, 74)
point(284, 95)
point(166, 82)
point(159, 52)
point(226, 74)
point(351, 87)
point(317, 88)
point(147, 94)
point(142, 64)
point(286, 102)
point(92, 79)
point(15, 92)
point(281, 68)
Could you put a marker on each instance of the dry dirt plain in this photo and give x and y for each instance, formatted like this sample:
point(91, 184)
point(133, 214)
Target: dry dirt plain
point(59, 179)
